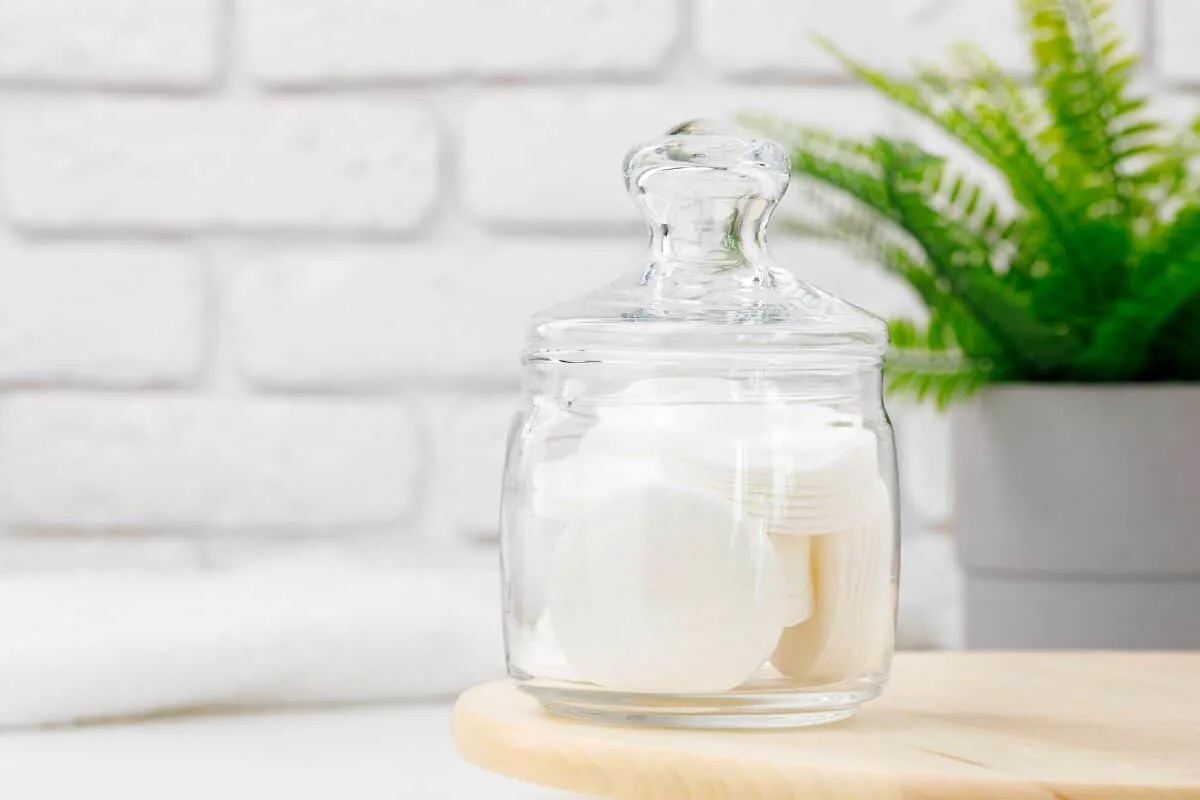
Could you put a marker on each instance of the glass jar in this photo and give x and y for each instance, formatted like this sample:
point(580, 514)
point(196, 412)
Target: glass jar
point(699, 522)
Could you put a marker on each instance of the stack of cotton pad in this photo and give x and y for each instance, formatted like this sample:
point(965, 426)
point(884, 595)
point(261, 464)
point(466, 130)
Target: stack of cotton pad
point(799, 467)
point(808, 479)
point(684, 484)
point(851, 629)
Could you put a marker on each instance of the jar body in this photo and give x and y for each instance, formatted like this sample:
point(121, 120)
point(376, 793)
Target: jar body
point(698, 540)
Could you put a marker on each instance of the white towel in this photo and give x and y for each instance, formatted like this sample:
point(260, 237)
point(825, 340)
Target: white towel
point(86, 646)
point(91, 646)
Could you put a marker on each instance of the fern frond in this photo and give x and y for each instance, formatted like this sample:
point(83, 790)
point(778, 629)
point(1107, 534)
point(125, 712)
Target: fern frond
point(943, 381)
point(872, 229)
point(1168, 244)
point(844, 164)
point(1082, 65)
point(990, 117)
point(1077, 238)
point(1175, 354)
point(1122, 342)
point(960, 258)
point(933, 342)
point(953, 227)
point(857, 168)
point(1091, 273)
point(1167, 175)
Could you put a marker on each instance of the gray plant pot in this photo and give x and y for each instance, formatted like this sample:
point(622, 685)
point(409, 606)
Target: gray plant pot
point(1077, 512)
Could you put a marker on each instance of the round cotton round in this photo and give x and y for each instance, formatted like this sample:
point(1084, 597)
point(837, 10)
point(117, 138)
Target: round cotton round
point(664, 588)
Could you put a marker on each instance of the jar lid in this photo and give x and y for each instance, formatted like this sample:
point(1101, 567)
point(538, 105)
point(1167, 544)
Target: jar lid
point(707, 191)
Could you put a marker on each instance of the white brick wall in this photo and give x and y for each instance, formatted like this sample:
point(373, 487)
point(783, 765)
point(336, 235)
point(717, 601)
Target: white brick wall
point(103, 315)
point(343, 318)
point(320, 42)
point(161, 463)
point(197, 165)
point(749, 38)
point(1177, 23)
point(537, 158)
point(471, 434)
point(109, 43)
point(265, 264)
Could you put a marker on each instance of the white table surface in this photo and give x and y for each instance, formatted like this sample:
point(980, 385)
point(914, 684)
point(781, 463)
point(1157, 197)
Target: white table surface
point(397, 752)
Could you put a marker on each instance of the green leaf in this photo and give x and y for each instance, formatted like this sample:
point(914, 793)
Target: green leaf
point(1085, 75)
point(1120, 348)
point(1087, 268)
point(944, 384)
point(1175, 353)
point(960, 257)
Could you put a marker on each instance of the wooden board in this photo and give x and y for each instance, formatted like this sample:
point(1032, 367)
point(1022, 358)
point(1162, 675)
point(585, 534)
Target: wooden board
point(951, 726)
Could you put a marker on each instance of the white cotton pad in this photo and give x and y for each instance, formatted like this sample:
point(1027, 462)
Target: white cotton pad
point(663, 588)
point(794, 554)
point(705, 432)
point(852, 625)
point(562, 488)
point(802, 482)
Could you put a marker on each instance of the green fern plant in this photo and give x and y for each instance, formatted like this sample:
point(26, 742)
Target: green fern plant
point(1086, 270)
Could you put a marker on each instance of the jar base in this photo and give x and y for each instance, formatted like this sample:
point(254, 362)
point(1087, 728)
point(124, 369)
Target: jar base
point(733, 710)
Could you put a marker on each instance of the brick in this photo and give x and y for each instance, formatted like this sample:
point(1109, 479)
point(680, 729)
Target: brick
point(1175, 26)
point(551, 158)
point(109, 315)
point(776, 37)
point(107, 552)
point(348, 318)
point(157, 165)
point(313, 42)
point(162, 463)
point(109, 43)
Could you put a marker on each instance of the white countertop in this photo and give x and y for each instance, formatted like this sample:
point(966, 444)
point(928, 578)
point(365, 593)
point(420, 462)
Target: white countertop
point(397, 753)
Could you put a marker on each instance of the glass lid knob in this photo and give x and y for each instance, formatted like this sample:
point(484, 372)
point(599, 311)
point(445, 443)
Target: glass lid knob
point(707, 190)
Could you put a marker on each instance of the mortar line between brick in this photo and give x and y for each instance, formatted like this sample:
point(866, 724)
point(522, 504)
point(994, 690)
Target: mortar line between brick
point(1149, 38)
point(224, 43)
